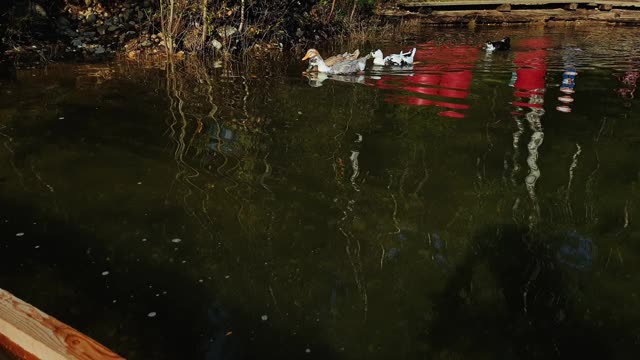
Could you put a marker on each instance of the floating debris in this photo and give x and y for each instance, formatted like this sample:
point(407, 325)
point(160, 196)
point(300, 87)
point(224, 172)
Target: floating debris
point(144, 239)
point(61, 118)
point(139, 182)
point(176, 240)
point(20, 234)
point(307, 350)
point(37, 246)
point(105, 273)
point(152, 314)
point(264, 317)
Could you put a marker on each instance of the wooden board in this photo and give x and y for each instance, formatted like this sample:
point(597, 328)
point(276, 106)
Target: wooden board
point(28, 333)
point(470, 3)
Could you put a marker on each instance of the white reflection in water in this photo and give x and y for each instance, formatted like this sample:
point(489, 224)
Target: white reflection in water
point(356, 169)
point(572, 168)
point(533, 117)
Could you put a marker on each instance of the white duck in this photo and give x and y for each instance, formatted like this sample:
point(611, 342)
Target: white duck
point(344, 67)
point(393, 59)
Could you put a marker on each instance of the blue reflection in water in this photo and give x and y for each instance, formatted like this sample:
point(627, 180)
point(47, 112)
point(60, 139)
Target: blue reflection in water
point(577, 251)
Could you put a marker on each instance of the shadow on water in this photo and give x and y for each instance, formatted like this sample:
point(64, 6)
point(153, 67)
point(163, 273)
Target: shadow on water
point(538, 314)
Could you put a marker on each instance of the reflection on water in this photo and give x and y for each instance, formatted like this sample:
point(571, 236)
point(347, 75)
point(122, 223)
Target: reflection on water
point(254, 214)
point(440, 73)
point(629, 79)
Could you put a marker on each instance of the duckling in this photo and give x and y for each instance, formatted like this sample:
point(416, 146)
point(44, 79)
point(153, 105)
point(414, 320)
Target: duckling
point(344, 67)
point(500, 45)
point(333, 59)
point(393, 59)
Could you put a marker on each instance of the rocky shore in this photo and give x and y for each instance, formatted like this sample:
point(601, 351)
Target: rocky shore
point(91, 31)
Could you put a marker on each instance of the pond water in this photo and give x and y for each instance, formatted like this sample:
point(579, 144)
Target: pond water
point(472, 206)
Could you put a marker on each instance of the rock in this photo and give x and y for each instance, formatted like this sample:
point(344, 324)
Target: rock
point(39, 10)
point(216, 44)
point(132, 23)
point(112, 28)
point(77, 43)
point(115, 20)
point(89, 33)
point(88, 2)
point(140, 15)
point(299, 33)
point(91, 18)
point(102, 29)
point(99, 50)
point(226, 31)
point(146, 43)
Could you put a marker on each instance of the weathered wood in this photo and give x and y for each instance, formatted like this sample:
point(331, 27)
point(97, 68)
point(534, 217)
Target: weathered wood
point(571, 7)
point(28, 333)
point(504, 7)
point(471, 3)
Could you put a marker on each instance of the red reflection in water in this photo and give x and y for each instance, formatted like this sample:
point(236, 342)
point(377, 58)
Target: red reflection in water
point(439, 71)
point(531, 68)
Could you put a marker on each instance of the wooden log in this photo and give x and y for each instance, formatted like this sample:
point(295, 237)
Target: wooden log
point(504, 7)
point(28, 333)
point(571, 7)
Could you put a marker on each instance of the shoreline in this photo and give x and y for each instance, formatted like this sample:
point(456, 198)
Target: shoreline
point(558, 16)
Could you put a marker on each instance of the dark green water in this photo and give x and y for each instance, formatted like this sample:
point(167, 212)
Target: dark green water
point(450, 211)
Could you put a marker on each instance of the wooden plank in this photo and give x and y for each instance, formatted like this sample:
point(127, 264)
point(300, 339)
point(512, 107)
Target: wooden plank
point(442, 3)
point(28, 333)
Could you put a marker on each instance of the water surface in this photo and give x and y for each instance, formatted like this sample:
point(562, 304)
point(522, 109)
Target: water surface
point(471, 206)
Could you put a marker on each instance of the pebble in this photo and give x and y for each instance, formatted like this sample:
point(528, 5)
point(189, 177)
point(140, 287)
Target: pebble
point(152, 314)
point(308, 351)
point(20, 234)
point(264, 317)
point(105, 273)
point(176, 240)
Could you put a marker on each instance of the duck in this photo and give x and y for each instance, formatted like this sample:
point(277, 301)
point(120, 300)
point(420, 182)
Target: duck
point(333, 59)
point(393, 59)
point(344, 67)
point(500, 45)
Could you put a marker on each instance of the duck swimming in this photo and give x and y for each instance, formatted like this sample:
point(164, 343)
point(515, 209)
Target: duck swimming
point(500, 45)
point(344, 67)
point(393, 59)
point(333, 59)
